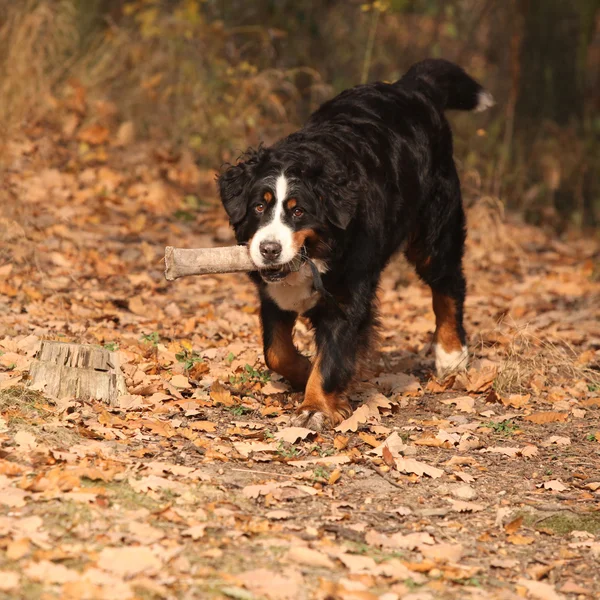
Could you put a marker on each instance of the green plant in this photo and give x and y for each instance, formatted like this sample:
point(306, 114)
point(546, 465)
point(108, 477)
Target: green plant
point(239, 410)
point(111, 346)
point(189, 358)
point(151, 338)
point(230, 358)
point(321, 473)
point(505, 427)
point(287, 450)
point(591, 437)
point(250, 375)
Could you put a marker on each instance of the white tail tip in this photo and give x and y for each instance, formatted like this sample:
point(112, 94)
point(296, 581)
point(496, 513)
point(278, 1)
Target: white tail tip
point(484, 101)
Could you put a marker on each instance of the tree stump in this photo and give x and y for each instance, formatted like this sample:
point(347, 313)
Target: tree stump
point(62, 370)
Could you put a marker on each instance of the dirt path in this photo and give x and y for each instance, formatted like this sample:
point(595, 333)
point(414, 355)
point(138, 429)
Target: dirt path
point(483, 486)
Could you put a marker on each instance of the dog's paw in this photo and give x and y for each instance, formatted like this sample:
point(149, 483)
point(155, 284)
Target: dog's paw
point(449, 362)
point(318, 420)
point(311, 419)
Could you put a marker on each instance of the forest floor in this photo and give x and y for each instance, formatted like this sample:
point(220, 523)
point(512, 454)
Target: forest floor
point(486, 485)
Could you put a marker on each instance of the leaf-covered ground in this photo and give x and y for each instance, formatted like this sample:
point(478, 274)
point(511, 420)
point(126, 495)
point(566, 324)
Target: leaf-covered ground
point(486, 485)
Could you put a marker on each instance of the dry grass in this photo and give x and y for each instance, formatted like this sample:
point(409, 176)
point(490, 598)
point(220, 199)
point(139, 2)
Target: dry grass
point(37, 40)
point(528, 357)
point(175, 74)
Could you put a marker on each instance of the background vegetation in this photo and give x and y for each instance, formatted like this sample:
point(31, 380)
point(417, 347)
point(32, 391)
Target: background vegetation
point(215, 76)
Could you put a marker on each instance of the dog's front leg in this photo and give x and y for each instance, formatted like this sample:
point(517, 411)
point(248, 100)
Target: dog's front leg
point(341, 337)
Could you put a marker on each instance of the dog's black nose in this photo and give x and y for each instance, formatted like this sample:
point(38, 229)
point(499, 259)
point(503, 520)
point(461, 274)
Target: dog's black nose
point(270, 250)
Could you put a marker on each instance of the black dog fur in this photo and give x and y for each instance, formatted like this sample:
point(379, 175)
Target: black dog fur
point(373, 173)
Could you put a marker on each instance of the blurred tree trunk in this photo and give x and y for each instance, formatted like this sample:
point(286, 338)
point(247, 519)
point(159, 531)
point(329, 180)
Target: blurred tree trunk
point(556, 36)
point(551, 87)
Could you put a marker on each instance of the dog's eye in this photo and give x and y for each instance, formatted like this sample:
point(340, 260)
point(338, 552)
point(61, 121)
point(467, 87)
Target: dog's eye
point(259, 208)
point(297, 212)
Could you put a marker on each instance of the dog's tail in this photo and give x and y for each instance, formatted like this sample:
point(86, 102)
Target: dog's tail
point(447, 85)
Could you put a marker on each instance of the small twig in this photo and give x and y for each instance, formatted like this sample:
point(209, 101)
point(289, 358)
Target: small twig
point(370, 44)
point(268, 473)
point(383, 475)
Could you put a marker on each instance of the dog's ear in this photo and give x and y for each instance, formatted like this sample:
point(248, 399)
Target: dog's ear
point(338, 196)
point(235, 182)
point(341, 208)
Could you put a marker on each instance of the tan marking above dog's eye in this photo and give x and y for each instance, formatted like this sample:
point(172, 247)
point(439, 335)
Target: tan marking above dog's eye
point(268, 197)
point(291, 203)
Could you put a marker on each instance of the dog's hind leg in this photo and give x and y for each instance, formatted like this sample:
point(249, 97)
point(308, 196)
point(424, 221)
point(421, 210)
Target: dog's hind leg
point(438, 262)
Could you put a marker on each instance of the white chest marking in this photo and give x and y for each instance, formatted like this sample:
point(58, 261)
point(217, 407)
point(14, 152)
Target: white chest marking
point(296, 292)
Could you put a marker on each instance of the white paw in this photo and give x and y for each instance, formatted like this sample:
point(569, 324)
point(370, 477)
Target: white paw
point(446, 362)
point(310, 419)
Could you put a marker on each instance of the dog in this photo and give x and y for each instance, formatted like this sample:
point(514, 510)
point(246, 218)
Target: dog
point(323, 210)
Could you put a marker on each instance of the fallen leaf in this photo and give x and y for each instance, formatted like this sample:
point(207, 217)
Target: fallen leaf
point(410, 541)
point(358, 564)
point(540, 590)
point(466, 477)
point(220, 395)
point(25, 440)
point(368, 411)
point(464, 403)
point(196, 531)
point(558, 440)
point(293, 434)
point(393, 443)
point(128, 561)
point(443, 552)
point(410, 465)
point(541, 418)
point(514, 525)
point(338, 459)
point(274, 387)
point(463, 507)
point(519, 540)
point(311, 558)
point(9, 580)
point(554, 485)
point(181, 382)
point(93, 134)
point(278, 515)
point(334, 477)
point(246, 448)
point(516, 400)
point(49, 572)
point(207, 426)
point(254, 491)
point(504, 563)
point(285, 585)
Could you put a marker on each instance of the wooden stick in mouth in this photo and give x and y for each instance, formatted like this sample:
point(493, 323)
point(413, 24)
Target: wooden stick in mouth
point(180, 262)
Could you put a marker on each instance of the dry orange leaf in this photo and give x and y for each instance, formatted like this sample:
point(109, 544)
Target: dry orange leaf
point(369, 439)
point(513, 525)
point(159, 427)
point(93, 135)
point(340, 442)
point(203, 426)
point(520, 540)
point(542, 418)
point(335, 475)
point(220, 395)
point(10, 468)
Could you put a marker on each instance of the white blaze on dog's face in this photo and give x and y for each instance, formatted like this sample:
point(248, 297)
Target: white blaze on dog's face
point(276, 230)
